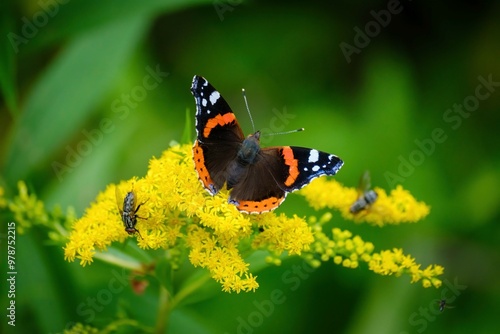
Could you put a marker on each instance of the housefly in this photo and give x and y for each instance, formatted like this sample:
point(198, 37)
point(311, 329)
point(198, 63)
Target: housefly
point(128, 210)
point(367, 195)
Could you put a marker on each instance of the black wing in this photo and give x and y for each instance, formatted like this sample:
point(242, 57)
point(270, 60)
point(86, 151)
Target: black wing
point(219, 135)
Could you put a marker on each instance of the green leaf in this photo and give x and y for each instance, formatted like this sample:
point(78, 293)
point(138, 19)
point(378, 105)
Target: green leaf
point(187, 133)
point(76, 17)
point(68, 91)
point(7, 62)
point(164, 274)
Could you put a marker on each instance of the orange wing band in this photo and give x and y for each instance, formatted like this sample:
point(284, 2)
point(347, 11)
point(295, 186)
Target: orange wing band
point(199, 164)
point(293, 170)
point(260, 206)
point(218, 120)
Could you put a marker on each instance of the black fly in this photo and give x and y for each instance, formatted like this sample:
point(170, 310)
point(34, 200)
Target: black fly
point(443, 304)
point(367, 196)
point(129, 212)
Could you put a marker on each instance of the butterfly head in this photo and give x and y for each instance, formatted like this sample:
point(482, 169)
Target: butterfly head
point(249, 149)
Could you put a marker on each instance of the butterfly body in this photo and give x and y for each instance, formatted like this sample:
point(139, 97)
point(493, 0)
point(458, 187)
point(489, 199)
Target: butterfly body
point(259, 178)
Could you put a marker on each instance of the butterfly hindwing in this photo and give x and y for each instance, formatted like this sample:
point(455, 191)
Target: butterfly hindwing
point(267, 193)
point(282, 170)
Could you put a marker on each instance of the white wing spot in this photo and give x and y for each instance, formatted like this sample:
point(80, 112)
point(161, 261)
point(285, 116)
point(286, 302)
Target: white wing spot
point(313, 156)
point(315, 168)
point(214, 97)
point(204, 102)
point(306, 169)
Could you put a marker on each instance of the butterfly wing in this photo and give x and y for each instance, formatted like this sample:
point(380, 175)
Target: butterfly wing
point(219, 135)
point(260, 186)
point(306, 164)
point(278, 171)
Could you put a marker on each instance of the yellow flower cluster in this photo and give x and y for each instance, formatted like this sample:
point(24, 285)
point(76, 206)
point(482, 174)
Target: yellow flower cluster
point(176, 211)
point(27, 209)
point(398, 207)
point(80, 328)
point(394, 262)
point(342, 248)
point(348, 250)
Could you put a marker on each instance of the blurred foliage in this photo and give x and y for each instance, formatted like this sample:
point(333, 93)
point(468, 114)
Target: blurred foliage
point(73, 77)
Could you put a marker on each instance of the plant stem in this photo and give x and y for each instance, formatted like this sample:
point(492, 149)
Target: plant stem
point(164, 311)
point(189, 289)
point(123, 262)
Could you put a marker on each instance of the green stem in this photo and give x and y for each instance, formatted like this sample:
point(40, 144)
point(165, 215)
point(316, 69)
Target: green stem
point(164, 311)
point(127, 263)
point(60, 229)
point(189, 289)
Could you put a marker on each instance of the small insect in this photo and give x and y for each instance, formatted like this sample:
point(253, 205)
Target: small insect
point(367, 196)
point(443, 304)
point(129, 211)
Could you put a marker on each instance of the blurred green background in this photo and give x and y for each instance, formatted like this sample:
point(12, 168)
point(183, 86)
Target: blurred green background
point(76, 76)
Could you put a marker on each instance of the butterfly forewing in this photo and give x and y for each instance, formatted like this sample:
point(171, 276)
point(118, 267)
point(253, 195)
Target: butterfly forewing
point(215, 121)
point(219, 135)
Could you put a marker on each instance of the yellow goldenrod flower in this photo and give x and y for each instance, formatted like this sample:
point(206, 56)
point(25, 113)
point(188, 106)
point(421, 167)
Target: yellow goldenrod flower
point(348, 250)
point(80, 328)
point(394, 262)
point(398, 207)
point(27, 209)
point(176, 211)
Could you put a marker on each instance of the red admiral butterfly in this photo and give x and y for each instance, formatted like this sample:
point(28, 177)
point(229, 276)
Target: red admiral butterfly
point(260, 178)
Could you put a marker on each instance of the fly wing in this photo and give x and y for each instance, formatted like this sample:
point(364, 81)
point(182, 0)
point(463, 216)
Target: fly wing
point(119, 199)
point(364, 183)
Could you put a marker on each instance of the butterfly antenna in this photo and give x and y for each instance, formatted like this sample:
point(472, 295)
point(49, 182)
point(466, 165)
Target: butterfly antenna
point(282, 133)
point(248, 109)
